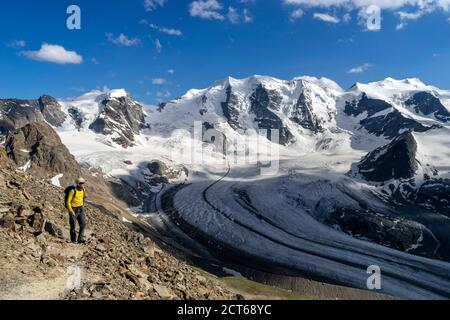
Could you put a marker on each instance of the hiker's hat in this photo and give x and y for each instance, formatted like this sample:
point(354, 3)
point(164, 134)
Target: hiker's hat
point(80, 181)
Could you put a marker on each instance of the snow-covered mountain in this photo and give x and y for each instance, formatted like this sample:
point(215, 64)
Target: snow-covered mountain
point(371, 162)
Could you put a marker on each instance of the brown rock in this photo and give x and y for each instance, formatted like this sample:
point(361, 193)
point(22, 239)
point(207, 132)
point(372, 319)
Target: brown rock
point(37, 222)
point(48, 156)
point(8, 223)
point(163, 292)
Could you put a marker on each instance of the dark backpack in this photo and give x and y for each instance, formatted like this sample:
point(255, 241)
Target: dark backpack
point(67, 192)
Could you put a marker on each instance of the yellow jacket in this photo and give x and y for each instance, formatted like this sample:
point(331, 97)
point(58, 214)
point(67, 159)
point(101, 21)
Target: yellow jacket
point(75, 199)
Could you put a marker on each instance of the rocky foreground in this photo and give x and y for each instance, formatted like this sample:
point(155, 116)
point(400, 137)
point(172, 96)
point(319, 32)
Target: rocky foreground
point(38, 261)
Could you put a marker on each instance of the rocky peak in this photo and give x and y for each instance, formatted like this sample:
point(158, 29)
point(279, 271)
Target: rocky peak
point(121, 116)
point(426, 104)
point(365, 104)
point(263, 101)
point(396, 160)
point(303, 112)
point(51, 110)
point(37, 148)
point(15, 113)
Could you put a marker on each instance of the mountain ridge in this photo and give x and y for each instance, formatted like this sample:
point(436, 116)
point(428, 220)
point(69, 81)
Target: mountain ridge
point(315, 118)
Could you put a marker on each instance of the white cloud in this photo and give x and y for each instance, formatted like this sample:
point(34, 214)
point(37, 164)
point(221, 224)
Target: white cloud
point(347, 17)
point(359, 69)
point(55, 54)
point(206, 9)
point(169, 31)
point(171, 71)
point(247, 17)
point(296, 14)
point(16, 44)
point(326, 17)
point(159, 81)
point(383, 4)
point(158, 46)
point(408, 16)
point(151, 5)
point(213, 10)
point(122, 40)
point(418, 7)
point(233, 15)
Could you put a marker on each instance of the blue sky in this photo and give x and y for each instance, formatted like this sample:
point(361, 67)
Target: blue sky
point(158, 49)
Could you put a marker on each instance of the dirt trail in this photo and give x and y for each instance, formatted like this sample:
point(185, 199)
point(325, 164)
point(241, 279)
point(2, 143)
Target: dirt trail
point(27, 283)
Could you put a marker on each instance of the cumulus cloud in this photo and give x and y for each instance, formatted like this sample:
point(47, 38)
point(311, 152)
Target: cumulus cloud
point(206, 9)
point(151, 5)
point(359, 69)
point(326, 17)
point(53, 53)
point(122, 40)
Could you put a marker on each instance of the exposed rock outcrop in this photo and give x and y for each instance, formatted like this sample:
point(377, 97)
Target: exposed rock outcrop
point(434, 195)
point(397, 160)
point(230, 109)
point(365, 104)
point(51, 110)
point(303, 114)
point(38, 149)
point(16, 113)
point(389, 123)
point(121, 117)
point(397, 233)
point(426, 104)
point(263, 101)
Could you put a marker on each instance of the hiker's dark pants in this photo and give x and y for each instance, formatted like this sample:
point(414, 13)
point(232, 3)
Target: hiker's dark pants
point(79, 216)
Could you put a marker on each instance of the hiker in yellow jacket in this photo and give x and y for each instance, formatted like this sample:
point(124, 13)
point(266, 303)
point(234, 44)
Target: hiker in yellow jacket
point(75, 196)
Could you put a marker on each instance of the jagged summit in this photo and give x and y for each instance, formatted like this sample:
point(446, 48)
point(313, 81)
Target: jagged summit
point(397, 160)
